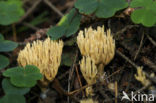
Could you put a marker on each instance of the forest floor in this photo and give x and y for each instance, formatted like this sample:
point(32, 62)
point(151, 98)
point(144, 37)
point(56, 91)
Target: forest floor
point(134, 49)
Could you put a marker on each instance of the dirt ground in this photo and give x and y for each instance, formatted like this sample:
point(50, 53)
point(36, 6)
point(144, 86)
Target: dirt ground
point(134, 48)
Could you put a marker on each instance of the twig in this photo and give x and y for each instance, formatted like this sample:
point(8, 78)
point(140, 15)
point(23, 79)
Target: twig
point(64, 74)
point(113, 73)
point(53, 7)
point(78, 76)
point(29, 11)
point(143, 88)
point(78, 90)
point(56, 84)
point(71, 73)
point(140, 46)
point(124, 29)
point(151, 40)
point(84, 87)
point(30, 26)
point(149, 63)
point(116, 91)
point(126, 58)
point(14, 32)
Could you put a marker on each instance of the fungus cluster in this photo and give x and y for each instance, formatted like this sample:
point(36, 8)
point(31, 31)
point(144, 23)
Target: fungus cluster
point(97, 48)
point(46, 55)
point(97, 44)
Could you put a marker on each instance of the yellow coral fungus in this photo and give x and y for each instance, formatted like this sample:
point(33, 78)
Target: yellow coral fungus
point(99, 48)
point(141, 77)
point(97, 44)
point(88, 69)
point(89, 72)
point(90, 100)
point(46, 55)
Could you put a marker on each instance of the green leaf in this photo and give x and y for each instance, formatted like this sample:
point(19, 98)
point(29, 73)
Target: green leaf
point(107, 8)
point(12, 98)
point(68, 56)
point(145, 12)
point(11, 89)
point(23, 77)
point(19, 4)
point(86, 6)
point(101, 8)
point(4, 61)
point(68, 25)
point(10, 12)
point(1, 37)
point(6, 45)
point(56, 32)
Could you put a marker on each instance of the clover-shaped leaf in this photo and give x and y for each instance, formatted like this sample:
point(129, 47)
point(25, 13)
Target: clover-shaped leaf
point(7, 45)
point(12, 98)
point(145, 12)
point(4, 61)
point(101, 8)
point(10, 12)
point(11, 89)
point(19, 4)
point(23, 77)
point(68, 25)
point(1, 37)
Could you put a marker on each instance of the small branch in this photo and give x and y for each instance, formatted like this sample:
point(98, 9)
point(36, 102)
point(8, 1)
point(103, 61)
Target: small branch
point(71, 71)
point(88, 85)
point(14, 32)
point(64, 74)
point(78, 90)
point(151, 40)
point(127, 59)
point(30, 26)
point(56, 84)
point(140, 46)
point(143, 88)
point(124, 29)
point(116, 91)
point(149, 63)
point(53, 7)
point(29, 11)
point(78, 76)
